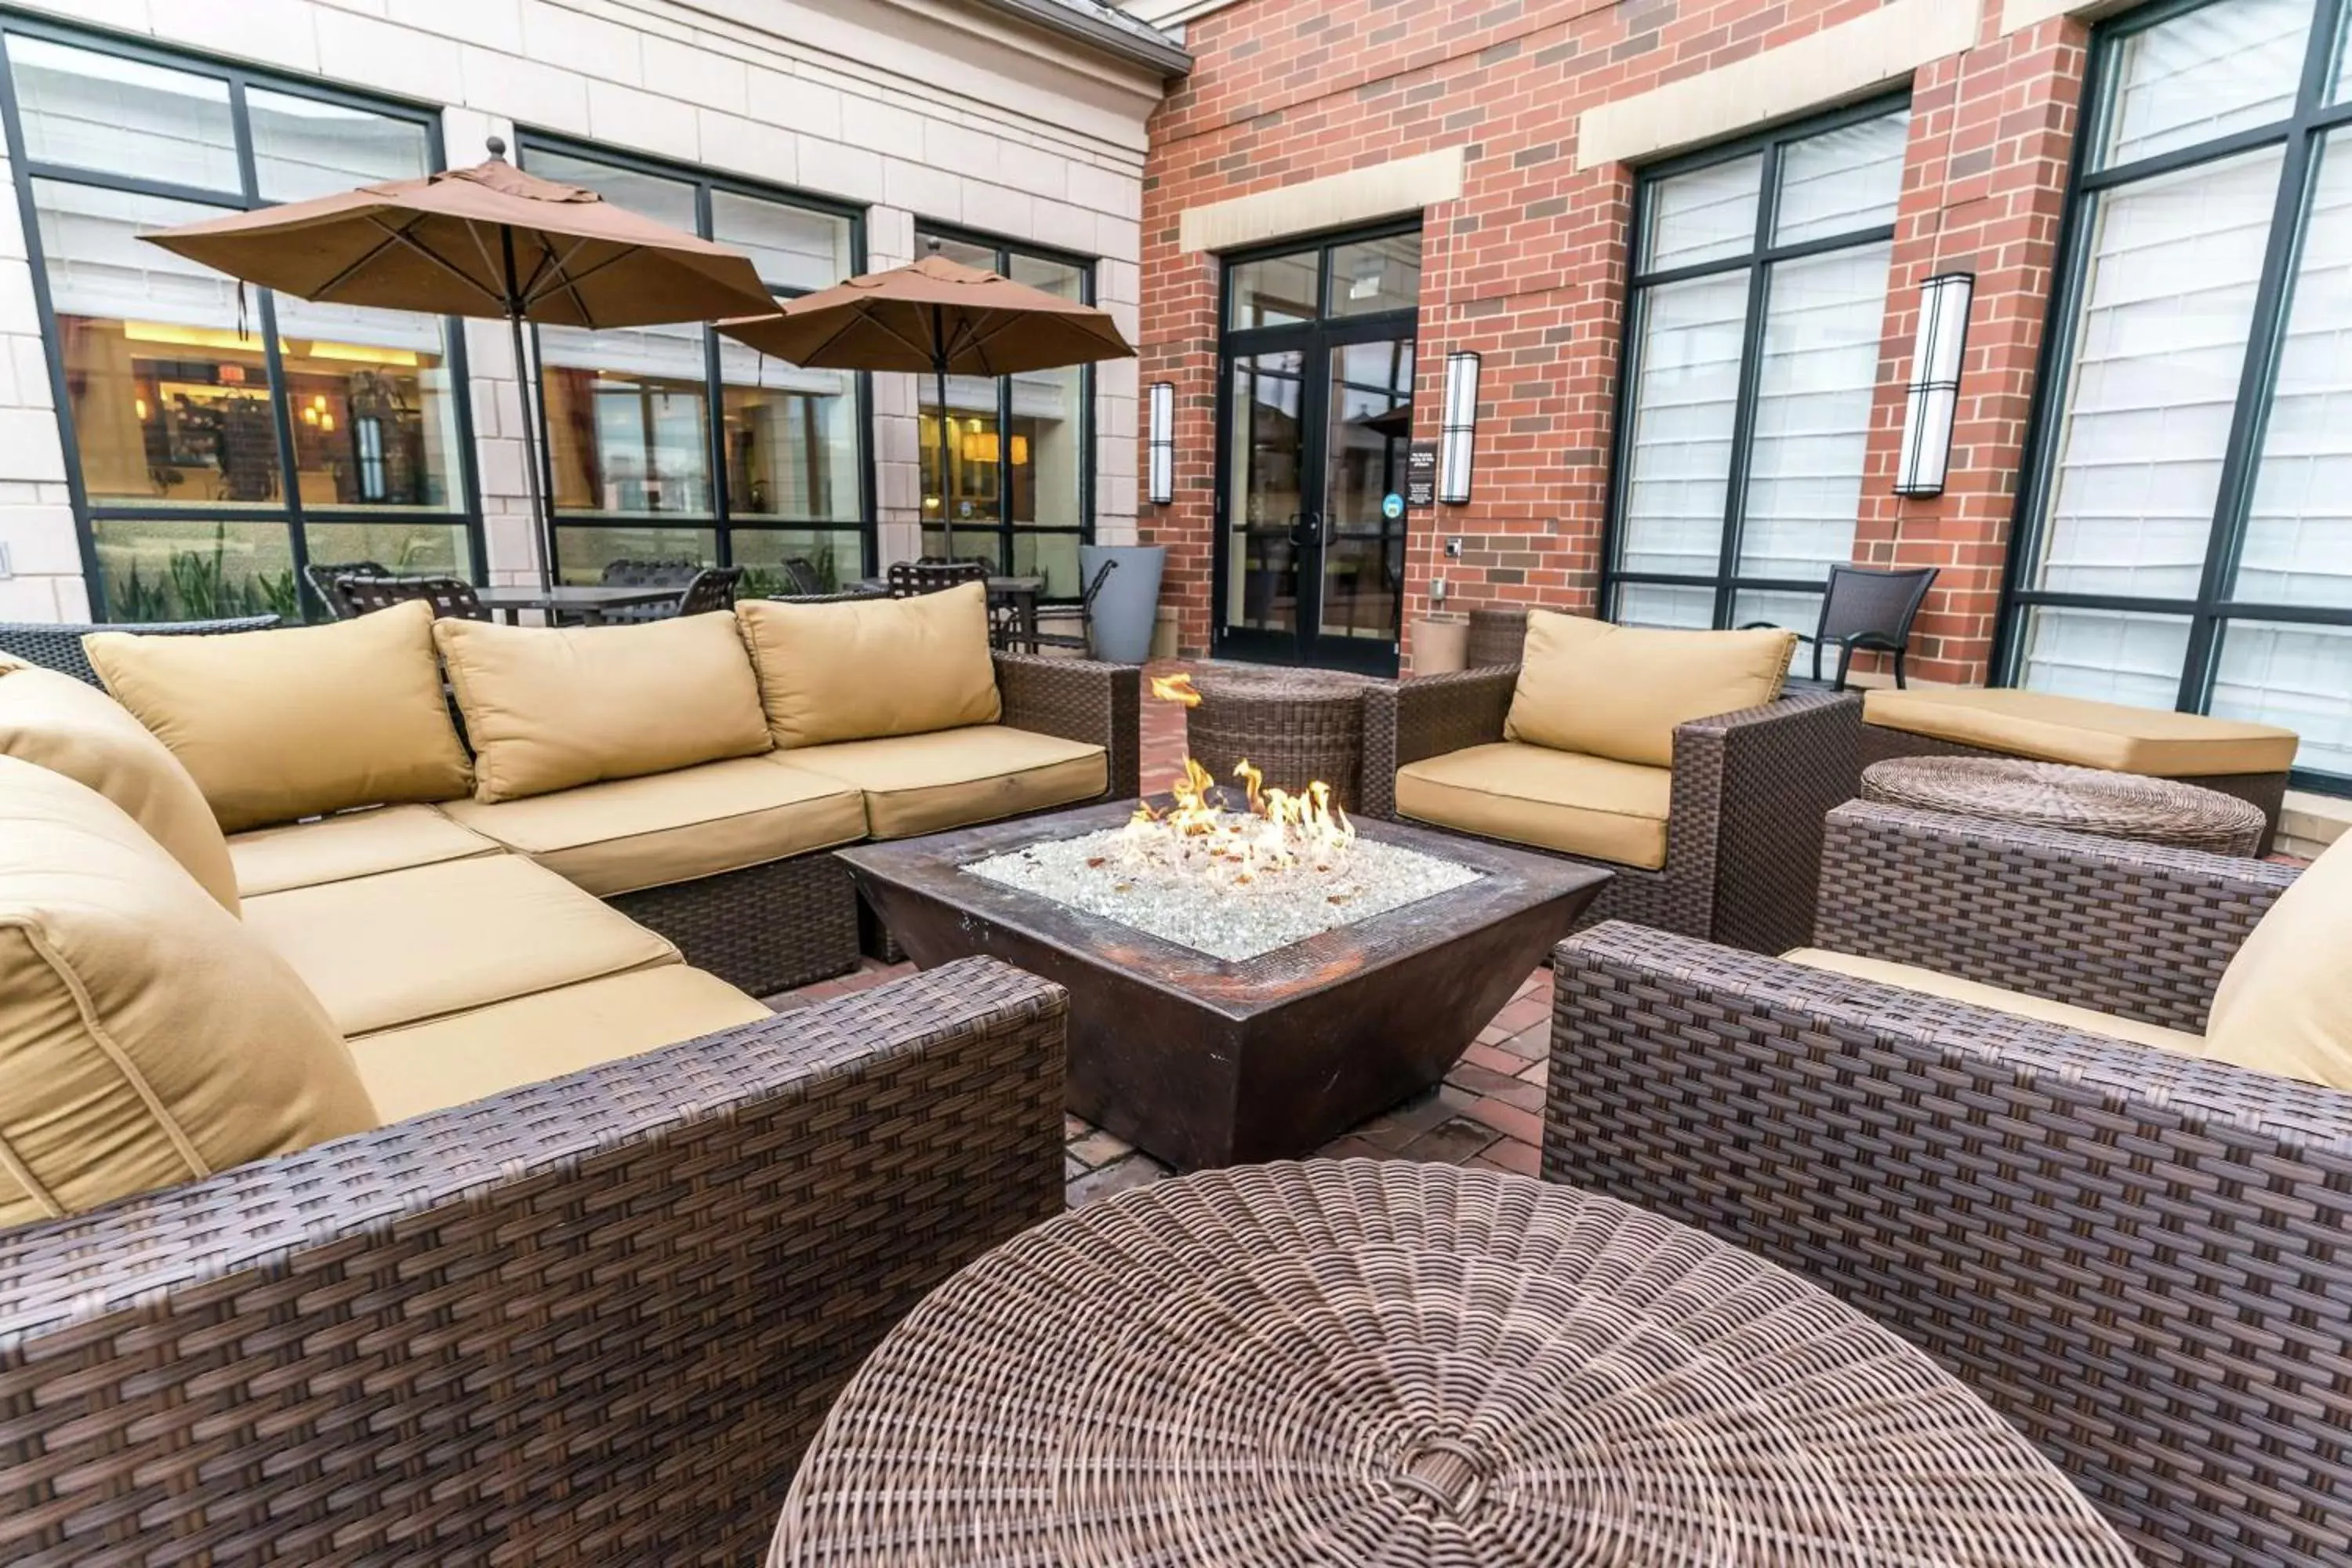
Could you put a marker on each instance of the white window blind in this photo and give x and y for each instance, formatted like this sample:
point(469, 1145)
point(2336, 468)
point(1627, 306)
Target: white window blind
point(1823, 320)
point(2205, 74)
point(1678, 457)
point(2158, 353)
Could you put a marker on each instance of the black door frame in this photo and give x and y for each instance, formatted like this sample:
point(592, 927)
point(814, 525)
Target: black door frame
point(1313, 341)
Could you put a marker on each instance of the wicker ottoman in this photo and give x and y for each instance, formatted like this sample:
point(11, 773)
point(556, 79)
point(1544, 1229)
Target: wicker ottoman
point(1294, 726)
point(1388, 1362)
point(2072, 800)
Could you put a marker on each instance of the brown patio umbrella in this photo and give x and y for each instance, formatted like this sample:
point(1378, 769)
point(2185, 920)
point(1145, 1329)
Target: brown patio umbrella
point(938, 316)
point(489, 241)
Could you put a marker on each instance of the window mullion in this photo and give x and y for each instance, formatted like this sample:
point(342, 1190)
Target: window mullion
point(2258, 376)
point(1752, 363)
point(281, 421)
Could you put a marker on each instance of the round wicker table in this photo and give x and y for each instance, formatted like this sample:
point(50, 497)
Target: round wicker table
point(1294, 726)
point(2075, 800)
point(1387, 1362)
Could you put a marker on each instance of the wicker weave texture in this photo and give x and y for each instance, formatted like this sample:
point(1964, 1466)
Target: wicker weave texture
point(592, 1321)
point(1294, 727)
point(2136, 930)
point(58, 646)
point(1393, 1363)
point(2136, 1256)
point(764, 929)
point(1743, 829)
point(2265, 791)
point(1499, 635)
point(2072, 800)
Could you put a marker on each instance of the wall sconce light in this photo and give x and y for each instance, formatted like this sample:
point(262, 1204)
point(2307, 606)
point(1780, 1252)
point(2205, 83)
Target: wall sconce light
point(1459, 428)
point(1933, 400)
point(1162, 441)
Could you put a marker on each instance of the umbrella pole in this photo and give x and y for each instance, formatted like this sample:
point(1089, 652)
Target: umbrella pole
point(542, 524)
point(939, 370)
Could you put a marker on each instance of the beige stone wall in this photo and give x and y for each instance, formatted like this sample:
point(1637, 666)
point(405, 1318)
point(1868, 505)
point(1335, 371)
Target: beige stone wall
point(919, 110)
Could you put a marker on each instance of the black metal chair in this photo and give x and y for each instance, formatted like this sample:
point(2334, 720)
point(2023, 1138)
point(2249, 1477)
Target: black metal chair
point(627, 573)
point(1864, 607)
point(56, 645)
point(448, 596)
point(805, 579)
point(323, 576)
point(713, 588)
point(910, 579)
point(1082, 611)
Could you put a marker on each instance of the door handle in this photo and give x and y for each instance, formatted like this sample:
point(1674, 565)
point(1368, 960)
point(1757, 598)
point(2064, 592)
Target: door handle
point(1306, 528)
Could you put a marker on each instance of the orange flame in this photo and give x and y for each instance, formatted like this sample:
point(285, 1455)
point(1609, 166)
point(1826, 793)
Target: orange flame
point(1175, 689)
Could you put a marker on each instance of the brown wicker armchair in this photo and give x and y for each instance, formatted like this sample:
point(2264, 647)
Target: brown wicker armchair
point(589, 1322)
point(2139, 1257)
point(1743, 833)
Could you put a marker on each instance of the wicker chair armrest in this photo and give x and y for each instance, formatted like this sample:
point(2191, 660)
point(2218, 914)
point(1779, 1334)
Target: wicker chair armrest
point(1750, 788)
point(2137, 930)
point(603, 1312)
point(2136, 1256)
point(1408, 722)
point(1079, 700)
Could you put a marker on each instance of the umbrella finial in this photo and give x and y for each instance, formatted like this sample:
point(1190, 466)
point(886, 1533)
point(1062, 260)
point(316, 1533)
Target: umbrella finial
point(498, 146)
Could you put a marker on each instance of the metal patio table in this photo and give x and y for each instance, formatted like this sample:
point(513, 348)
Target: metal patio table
point(1403, 1364)
point(587, 604)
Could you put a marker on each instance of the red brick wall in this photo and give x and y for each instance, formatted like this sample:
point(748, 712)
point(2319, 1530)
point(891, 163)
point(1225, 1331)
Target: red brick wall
point(1528, 265)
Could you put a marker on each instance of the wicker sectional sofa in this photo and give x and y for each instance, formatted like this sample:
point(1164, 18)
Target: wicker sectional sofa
point(2135, 1251)
point(587, 1321)
point(765, 920)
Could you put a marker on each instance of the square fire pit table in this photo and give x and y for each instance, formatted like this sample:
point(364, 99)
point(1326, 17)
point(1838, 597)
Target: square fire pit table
point(1205, 1062)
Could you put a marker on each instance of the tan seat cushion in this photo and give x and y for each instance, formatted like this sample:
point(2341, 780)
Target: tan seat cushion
point(2017, 1004)
point(631, 834)
point(72, 728)
point(2054, 729)
point(2284, 1005)
point(549, 707)
point(350, 844)
point(406, 946)
point(472, 1056)
point(873, 668)
point(280, 725)
point(926, 784)
point(146, 1037)
point(1558, 800)
point(1619, 691)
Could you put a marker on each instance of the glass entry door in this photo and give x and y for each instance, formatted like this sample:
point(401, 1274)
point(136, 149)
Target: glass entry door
point(1316, 418)
point(1313, 501)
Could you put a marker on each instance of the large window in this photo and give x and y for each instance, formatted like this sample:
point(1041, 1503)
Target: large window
point(1019, 479)
point(2187, 531)
point(1758, 303)
point(218, 440)
point(673, 444)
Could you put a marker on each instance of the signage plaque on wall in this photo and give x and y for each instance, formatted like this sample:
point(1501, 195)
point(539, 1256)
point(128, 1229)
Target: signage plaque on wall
point(1420, 475)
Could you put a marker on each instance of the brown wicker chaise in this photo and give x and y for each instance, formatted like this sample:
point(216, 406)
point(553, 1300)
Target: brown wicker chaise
point(593, 1320)
point(1743, 834)
point(2140, 1258)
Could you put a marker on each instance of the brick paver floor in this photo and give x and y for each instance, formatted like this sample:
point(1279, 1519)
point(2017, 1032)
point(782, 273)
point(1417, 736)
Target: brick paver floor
point(1487, 1113)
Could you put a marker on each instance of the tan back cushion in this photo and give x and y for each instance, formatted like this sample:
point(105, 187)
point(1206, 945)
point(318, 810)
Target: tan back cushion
point(872, 667)
point(283, 724)
point(72, 728)
point(146, 1036)
point(2284, 1005)
point(1619, 691)
point(551, 708)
